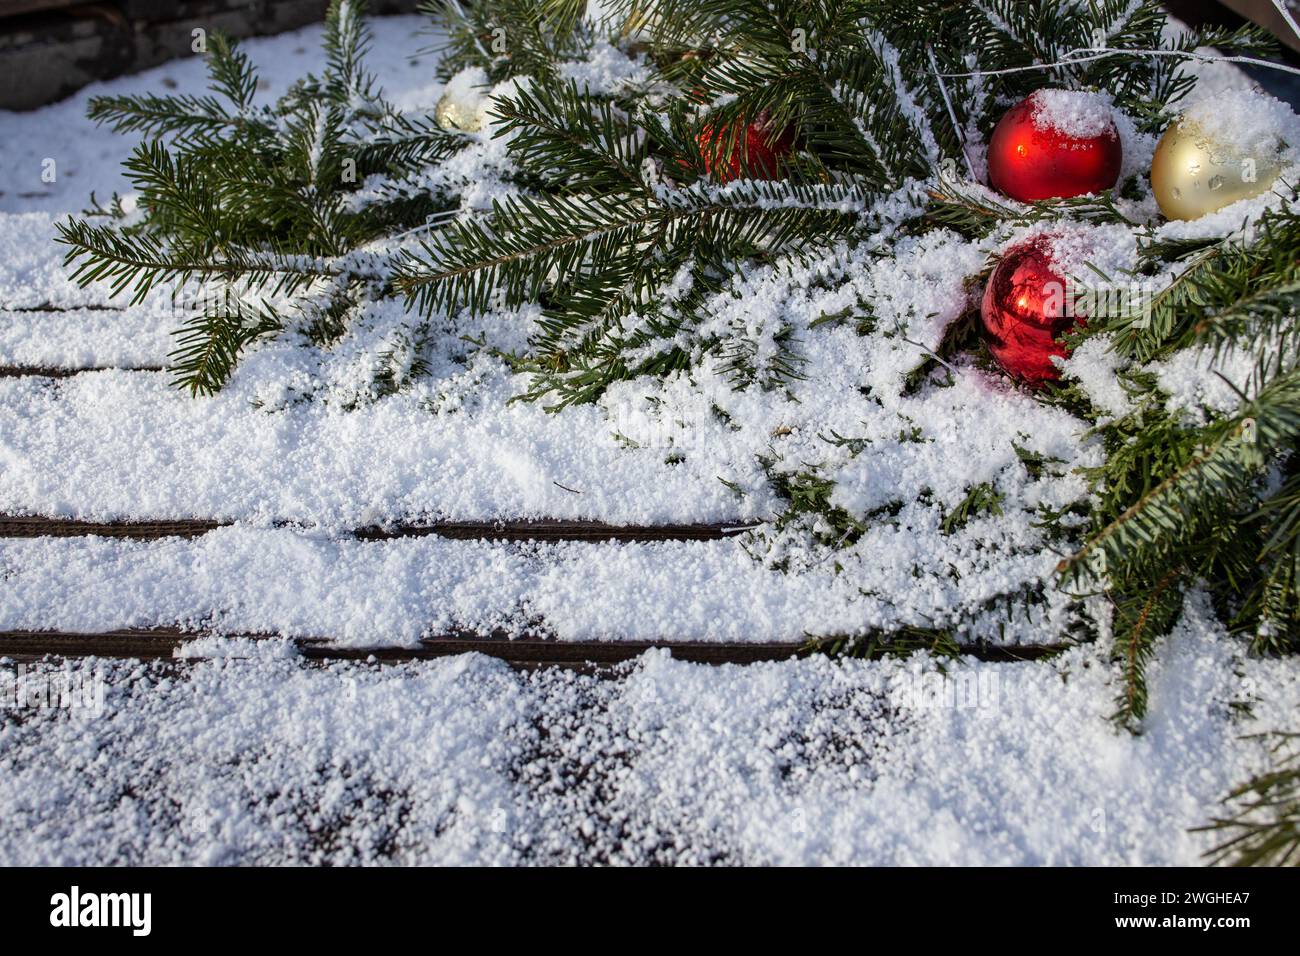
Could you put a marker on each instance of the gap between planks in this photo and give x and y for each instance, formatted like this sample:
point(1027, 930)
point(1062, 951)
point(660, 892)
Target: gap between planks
point(526, 652)
point(541, 529)
point(51, 307)
point(50, 371)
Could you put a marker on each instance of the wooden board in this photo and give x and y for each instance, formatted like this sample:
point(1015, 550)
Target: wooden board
point(163, 643)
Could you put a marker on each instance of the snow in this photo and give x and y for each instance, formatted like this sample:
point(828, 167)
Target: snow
point(312, 437)
point(1236, 220)
point(32, 275)
point(1197, 382)
point(294, 438)
point(264, 759)
point(467, 88)
point(1074, 113)
point(1249, 122)
point(245, 753)
point(1094, 366)
point(70, 451)
point(85, 338)
point(608, 70)
point(391, 593)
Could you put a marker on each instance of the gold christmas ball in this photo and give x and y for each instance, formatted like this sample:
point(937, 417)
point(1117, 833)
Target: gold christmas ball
point(452, 114)
point(1192, 175)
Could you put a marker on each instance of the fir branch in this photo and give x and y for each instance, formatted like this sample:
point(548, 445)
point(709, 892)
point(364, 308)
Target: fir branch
point(200, 117)
point(231, 74)
point(208, 346)
point(141, 262)
point(1264, 829)
point(346, 41)
point(399, 143)
point(1139, 621)
point(568, 135)
point(976, 212)
point(1176, 508)
point(528, 239)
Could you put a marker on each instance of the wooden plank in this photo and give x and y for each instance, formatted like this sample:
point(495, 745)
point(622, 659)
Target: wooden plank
point(162, 643)
point(140, 644)
point(542, 529)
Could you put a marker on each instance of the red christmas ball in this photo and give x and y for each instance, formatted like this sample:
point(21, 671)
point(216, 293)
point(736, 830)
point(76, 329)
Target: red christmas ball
point(1025, 311)
point(762, 151)
point(1055, 144)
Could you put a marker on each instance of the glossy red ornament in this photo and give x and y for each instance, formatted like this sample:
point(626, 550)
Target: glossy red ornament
point(762, 151)
point(1028, 162)
point(1025, 311)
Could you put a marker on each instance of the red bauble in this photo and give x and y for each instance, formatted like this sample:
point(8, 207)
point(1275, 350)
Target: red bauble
point(762, 151)
point(1026, 309)
point(1029, 159)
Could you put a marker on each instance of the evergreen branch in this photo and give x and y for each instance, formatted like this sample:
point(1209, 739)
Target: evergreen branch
point(1169, 512)
point(231, 76)
point(400, 142)
point(1136, 635)
point(175, 193)
point(1266, 317)
point(209, 345)
point(529, 239)
point(158, 115)
point(346, 41)
point(569, 135)
point(231, 73)
point(140, 261)
point(1190, 502)
point(976, 212)
point(1264, 830)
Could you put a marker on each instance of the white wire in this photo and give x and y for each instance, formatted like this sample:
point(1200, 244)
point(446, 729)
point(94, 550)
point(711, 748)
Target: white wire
point(1088, 54)
point(952, 115)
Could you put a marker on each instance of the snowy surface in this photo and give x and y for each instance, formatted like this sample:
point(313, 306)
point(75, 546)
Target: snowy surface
point(1255, 125)
point(251, 755)
point(464, 761)
point(246, 580)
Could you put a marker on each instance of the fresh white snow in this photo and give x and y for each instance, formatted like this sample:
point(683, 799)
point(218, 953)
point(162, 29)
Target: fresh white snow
point(247, 754)
point(253, 580)
point(263, 759)
point(1073, 113)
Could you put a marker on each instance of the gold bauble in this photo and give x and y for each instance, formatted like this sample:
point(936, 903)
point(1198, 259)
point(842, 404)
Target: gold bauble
point(452, 114)
point(1192, 175)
